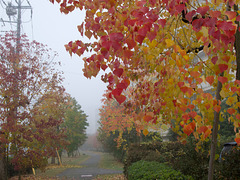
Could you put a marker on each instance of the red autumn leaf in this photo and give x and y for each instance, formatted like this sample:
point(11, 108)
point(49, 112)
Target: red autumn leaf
point(180, 7)
point(234, 89)
point(197, 24)
point(189, 16)
point(191, 106)
point(128, 53)
point(193, 125)
point(222, 79)
point(184, 89)
point(202, 129)
point(231, 111)
point(117, 91)
point(214, 59)
point(116, 46)
point(215, 14)
point(151, 35)
point(210, 79)
point(203, 10)
point(185, 117)
point(238, 18)
point(118, 72)
point(223, 67)
point(238, 116)
point(139, 38)
point(217, 108)
point(116, 37)
point(120, 99)
point(131, 43)
point(193, 114)
point(144, 30)
point(147, 118)
point(180, 84)
point(231, 14)
point(162, 22)
point(122, 86)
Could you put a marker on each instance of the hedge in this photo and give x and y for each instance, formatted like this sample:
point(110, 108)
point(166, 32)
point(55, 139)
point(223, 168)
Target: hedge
point(145, 170)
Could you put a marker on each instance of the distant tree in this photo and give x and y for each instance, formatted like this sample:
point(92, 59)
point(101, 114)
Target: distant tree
point(29, 86)
point(75, 124)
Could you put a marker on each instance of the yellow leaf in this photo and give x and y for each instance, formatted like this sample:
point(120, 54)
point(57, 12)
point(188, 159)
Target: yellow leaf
point(204, 31)
point(231, 100)
point(153, 44)
point(169, 42)
point(170, 81)
point(145, 132)
point(186, 57)
point(99, 14)
point(223, 94)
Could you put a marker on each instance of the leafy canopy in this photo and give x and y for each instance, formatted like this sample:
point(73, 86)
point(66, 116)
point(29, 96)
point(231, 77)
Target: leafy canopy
point(160, 41)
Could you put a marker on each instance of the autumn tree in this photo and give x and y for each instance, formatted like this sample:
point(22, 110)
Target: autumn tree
point(119, 127)
point(30, 87)
point(75, 125)
point(179, 45)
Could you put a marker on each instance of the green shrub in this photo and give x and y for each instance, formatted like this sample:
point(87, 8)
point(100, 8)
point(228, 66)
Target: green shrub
point(145, 170)
point(160, 152)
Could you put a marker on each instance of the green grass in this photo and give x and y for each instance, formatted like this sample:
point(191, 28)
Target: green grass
point(109, 162)
point(110, 177)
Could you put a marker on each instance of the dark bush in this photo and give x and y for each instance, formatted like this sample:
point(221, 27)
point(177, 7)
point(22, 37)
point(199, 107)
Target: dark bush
point(229, 166)
point(144, 170)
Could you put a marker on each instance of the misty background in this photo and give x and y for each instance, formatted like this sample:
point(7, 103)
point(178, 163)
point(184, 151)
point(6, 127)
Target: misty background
point(46, 24)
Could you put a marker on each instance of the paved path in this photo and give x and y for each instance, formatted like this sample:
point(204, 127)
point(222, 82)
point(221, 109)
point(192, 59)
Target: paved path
point(89, 171)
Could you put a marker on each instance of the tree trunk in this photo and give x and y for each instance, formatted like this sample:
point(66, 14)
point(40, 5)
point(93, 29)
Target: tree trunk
point(53, 160)
point(214, 133)
point(237, 49)
point(3, 169)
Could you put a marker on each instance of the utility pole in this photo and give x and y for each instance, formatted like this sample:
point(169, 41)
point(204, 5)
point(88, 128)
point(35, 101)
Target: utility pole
point(12, 11)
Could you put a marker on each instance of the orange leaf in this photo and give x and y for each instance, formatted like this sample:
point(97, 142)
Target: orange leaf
point(210, 79)
point(222, 79)
point(231, 111)
point(207, 106)
point(187, 129)
point(120, 99)
point(184, 89)
point(202, 129)
point(217, 108)
point(145, 132)
point(231, 14)
point(195, 74)
point(147, 118)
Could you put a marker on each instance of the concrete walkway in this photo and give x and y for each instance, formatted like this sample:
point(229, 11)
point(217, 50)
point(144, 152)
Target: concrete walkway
point(89, 171)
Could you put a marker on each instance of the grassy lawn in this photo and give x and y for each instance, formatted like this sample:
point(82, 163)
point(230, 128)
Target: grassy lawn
point(111, 177)
point(109, 162)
